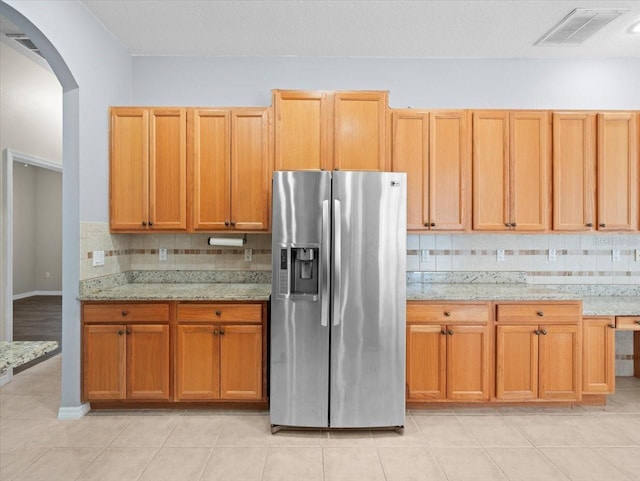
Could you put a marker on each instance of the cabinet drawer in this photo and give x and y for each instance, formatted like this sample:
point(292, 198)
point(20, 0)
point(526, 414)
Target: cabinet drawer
point(418, 312)
point(628, 323)
point(125, 312)
point(538, 313)
point(220, 312)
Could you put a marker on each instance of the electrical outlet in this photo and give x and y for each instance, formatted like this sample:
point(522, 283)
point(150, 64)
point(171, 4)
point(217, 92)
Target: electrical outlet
point(162, 253)
point(552, 255)
point(500, 255)
point(98, 258)
point(615, 255)
point(637, 255)
point(47, 275)
point(248, 255)
point(424, 255)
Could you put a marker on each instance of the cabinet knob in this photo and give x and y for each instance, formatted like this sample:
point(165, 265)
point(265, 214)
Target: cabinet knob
point(128, 331)
point(443, 332)
point(433, 224)
point(226, 222)
point(589, 224)
point(125, 312)
point(506, 224)
point(612, 326)
point(120, 332)
point(537, 332)
point(447, 313)
point(544, 332)
point(218, 313)
point(215, 332)
point(603, 225)
point(144, 223)
point(638, 323)
point(221, 332)
point(540, 313)
point(513, 224)
point(233, 224)
point(426, 224)
point(450, 332)
point(150, 223)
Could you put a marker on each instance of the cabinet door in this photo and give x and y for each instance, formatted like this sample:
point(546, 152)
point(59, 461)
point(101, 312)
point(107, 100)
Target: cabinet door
point(449, 171)
point(529, 170)
point(617, 172)
point(148, 361)
point(426, 362)
point(103, 362)
point(197, 362)
point(598, 355)
point(168, 170)
point(516, 362)
point(303, 128)
point(241, 362)
point(410, 151)
point(490, 170)
point(211, 169)
point(360, 131)
point(251, 168)
point(560, 374)
point(468, 363)
point(129, 169)
point(574, 171)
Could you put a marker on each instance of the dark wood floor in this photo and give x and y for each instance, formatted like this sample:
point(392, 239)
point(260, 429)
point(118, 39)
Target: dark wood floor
point(38, 318)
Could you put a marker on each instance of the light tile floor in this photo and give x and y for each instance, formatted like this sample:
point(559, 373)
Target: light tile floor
point(518, 444)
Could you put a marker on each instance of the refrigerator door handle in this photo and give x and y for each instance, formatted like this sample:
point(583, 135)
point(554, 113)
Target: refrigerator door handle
point(326, 264)
point(336, 262)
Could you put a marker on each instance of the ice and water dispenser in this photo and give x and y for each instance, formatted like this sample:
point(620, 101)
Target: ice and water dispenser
point(299, 271)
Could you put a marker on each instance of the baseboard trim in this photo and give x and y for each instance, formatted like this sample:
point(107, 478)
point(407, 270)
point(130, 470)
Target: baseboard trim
point(75, 412)
point(6, 377)
point(36, 293)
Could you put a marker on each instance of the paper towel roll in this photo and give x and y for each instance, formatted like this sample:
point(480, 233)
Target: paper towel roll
point(226, 241)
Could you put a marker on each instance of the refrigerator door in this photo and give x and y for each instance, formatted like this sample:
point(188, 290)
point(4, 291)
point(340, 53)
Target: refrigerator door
point(369, 300)
point(300, 314)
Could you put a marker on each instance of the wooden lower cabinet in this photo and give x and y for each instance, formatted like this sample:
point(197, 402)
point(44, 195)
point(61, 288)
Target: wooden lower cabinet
point(538, 362)
point(598, 355)
point(123, 361)
point(218, 362)
point(448, 361)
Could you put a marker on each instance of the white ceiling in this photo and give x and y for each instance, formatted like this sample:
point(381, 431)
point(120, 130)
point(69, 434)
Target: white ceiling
point(346, 28)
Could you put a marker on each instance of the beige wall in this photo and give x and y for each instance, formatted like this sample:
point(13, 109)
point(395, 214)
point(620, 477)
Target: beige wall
point(24, 228)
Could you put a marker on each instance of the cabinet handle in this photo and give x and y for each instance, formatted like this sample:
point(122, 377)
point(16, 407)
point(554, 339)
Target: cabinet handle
point(450, 332)
point(128, 331)
point(589, 224)
point(125, 312)
point(120, 332)
point(544, 332)
point(537, 332)
point(540, 313)
point(447, 313)
point(215, 332)
point(612, 326)
point(150, 223)
point(221, 332)
point(144, 223)
point(603, 225)
point(218, 313)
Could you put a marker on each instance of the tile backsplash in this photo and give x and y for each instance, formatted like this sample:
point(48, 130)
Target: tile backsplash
point(580, 259)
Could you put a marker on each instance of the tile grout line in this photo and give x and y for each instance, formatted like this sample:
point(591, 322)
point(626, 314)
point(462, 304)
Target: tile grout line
point(206, 463)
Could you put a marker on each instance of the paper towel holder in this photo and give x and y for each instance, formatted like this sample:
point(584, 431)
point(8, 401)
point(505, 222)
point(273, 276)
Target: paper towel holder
point(227, 241)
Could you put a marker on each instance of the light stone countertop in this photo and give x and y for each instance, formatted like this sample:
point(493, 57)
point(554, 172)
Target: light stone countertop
point(182, 292)
point(17, 353)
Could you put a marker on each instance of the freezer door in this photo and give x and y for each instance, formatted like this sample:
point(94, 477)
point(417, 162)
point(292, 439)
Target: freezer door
point(299, 374)
point(367, 382)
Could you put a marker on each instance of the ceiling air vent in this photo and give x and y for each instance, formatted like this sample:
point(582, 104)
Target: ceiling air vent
point(25, 41)
point(578, 26)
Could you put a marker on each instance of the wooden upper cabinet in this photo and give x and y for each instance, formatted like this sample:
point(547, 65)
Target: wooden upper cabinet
point(359, 132)
point(303, 130)
point(148, 162)
point(232, 168)
point(511, 170)
point(617, 164)
point(432, 148)
point(574, 171)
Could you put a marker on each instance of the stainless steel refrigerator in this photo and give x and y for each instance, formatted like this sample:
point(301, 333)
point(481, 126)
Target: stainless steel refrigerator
point(337, 357)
